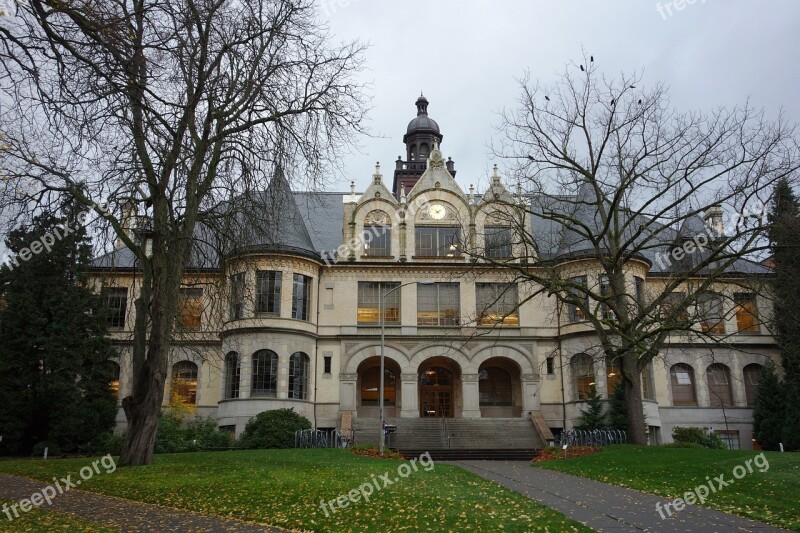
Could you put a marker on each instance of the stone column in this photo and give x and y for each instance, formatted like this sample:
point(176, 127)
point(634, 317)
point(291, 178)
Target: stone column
point(471, 398)
point(409, 395)
point(530, 399)
point(245, 367)
point(347, 392)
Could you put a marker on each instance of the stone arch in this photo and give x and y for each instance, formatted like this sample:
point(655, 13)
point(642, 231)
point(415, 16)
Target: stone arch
point(365, 352)
point(448, 352)
point(526, 366)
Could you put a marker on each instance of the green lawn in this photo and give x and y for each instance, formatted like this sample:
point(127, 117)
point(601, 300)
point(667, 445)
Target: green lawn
point(283, 488)
point(41, 521)
point(772, 496)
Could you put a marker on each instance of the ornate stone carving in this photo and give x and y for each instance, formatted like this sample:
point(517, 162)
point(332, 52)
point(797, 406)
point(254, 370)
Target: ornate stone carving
point(436, 160)
point(423, 214)
point(409, 345)
point(528, 347)
point(409, 377)
point(377, 217)
point(348, 377)
point(348, 346)
point(469, 378)
point(531, 377)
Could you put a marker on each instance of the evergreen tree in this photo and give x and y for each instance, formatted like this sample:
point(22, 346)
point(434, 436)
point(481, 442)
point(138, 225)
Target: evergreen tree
point(54, 350)
point(769, 409)
point(593, 417)
point(618, 411)
point(784, 233)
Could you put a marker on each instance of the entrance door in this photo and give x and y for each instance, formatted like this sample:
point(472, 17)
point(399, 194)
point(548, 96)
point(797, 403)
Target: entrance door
point(436, 392)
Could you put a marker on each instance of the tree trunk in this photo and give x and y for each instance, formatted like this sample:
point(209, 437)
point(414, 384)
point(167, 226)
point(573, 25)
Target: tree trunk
point(140, 439)
point(633, 399)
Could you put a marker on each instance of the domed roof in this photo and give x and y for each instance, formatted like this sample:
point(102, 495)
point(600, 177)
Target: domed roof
point(422, 122)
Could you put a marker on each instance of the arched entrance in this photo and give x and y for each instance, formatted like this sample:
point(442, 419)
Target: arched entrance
point(438, 378)
point(368, 400)
point(500, 388)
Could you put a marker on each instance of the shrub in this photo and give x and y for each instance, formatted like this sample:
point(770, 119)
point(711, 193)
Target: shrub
point(106, 443)
point(706, 439)
point(202, 433)
point(273, 429)
point(52, 449)
point(175, 434)
point(170, 435)
point(692, 445)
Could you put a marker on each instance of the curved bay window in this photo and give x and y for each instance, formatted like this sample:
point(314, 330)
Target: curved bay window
point(370, 387)
point(494, 387)
point(719, 385)
point(184, 382)
point(233, 371)
point(582, 375)
point(265, 374)
point(752, 375)
point(683, 389)
point(298, 376)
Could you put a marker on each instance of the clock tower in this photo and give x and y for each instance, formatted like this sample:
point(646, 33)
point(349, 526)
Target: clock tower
point(422, 135)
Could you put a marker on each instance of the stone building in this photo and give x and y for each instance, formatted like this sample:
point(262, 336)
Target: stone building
point(291, 318)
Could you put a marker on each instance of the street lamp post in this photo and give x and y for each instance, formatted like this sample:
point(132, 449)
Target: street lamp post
point(383, 296)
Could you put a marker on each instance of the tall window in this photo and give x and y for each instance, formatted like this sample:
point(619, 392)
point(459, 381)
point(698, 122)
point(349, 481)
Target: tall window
point(746, 312)
point(298, 376)
point(709, 305)
point(184, 382)
point(673, 308)
point(237, 296)
point(719, 385)
point(605, 293)
point(370, 387)
point(576, 314)
point(497, 304)
point(369, 302)
point(582, 375)
point(438, 304)
point(116, 306)
point(638, 285)
point(683, 389)
point(301, 296)
point(437, 241)
point(190, 308)
point(265, 373)
point(613, 375)
point(377, 241)
point(114, 382)
point(233, 371)
point(498, 242)
point(268, 292)
point(648, 389)
point(494, 386)
point(752, 374)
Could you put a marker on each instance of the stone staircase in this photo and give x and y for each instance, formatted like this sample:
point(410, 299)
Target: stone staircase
point(452, 433)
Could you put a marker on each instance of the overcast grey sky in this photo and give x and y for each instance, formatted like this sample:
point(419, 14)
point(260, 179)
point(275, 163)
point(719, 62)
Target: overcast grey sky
point(467, 55)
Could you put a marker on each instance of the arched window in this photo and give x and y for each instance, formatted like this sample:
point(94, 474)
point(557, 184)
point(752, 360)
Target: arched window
point(113, 384)
point(370, 387)
point(613, 375)
point(298, 376)
point(582, 375)
point(752, 374)
point(719, 385)
point(233, 372)
point(424, 151)
point(683, 389)
point(265, 374)
point(184, 382)
point(494, 386)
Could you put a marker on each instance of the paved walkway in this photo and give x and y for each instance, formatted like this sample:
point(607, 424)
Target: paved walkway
point(121, 514)
point(605, 507)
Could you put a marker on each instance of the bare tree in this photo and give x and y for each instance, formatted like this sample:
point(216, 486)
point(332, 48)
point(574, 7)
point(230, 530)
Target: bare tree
point(168, 110)
point(612, 184)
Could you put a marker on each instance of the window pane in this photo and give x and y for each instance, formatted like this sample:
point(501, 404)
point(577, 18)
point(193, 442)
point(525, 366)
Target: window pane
point(710, 309)
point(377, 241)
point(498, 242)
point(268, 292)
point(116, 302)
point(438, 305)
point(683, 391)
point(237, 296)
point(369, 294)
point(184, 382)
point(719, 386)
point(494, 387)
point(583, 375)
point(298, 376)
point(301, 291)
point(746, 313)
point(752, 374)
point(190, 308)
point(497, 304)
point(439, 241)
point(265, 373)
point(370, 387)
point(232, 375)
point(576, 314)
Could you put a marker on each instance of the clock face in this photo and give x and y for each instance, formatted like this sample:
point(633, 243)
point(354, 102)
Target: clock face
point(437, 211)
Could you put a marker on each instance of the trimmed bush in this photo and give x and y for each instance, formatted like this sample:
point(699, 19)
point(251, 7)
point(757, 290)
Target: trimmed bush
point(706, 439)
point(52, 449)
point(273, 429)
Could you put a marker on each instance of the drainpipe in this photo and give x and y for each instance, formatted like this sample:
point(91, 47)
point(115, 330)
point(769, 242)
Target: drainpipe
point(561, 368)
point(316, 344)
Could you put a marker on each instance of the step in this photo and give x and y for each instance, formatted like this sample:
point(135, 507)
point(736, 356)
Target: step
point(472, 454)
